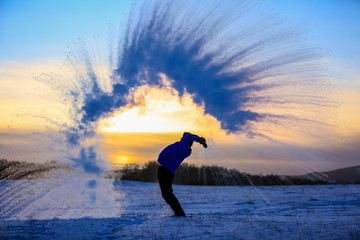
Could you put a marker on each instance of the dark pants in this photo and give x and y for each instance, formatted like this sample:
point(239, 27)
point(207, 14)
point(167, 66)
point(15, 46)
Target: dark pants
point(165, 181)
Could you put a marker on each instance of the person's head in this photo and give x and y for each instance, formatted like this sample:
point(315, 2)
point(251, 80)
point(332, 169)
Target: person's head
point(184, 134)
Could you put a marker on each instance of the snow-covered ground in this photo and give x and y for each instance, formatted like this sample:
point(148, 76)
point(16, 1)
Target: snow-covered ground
point(79, 208)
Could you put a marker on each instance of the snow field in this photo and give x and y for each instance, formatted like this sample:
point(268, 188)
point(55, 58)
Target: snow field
point(134, 210)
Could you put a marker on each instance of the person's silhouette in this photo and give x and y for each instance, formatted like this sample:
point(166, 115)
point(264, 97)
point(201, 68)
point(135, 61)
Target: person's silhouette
point(170, 159)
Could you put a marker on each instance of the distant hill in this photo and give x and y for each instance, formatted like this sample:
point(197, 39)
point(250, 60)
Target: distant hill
point(339, 176)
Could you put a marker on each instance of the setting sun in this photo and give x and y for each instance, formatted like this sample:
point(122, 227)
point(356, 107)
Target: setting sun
point(122, 159)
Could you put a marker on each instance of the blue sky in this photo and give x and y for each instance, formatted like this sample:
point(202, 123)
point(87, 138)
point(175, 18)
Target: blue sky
point(335, 25)
point(43, 29)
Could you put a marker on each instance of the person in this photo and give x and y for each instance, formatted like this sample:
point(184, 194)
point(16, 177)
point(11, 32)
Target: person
point(170, 159)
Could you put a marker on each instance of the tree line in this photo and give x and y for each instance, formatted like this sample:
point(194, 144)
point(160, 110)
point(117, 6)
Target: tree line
point(189, 174)
point(186, 174)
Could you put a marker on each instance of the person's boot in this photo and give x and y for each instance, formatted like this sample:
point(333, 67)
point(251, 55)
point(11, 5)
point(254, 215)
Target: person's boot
point(180, 214)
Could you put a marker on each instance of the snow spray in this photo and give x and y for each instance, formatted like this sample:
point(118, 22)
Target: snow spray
point(236, 59)
point(242, 67)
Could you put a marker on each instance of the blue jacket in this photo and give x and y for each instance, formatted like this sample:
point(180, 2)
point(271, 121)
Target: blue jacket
point(173, 155)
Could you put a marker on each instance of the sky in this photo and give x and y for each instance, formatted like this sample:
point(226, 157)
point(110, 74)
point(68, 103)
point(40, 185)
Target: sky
point(36, 37)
